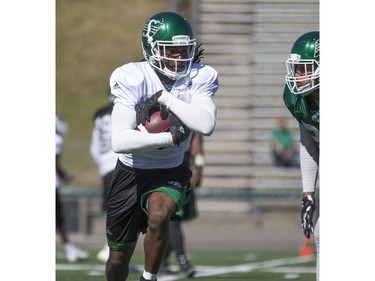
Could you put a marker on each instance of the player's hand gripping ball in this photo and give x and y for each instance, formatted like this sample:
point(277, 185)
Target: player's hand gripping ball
point(156, 124)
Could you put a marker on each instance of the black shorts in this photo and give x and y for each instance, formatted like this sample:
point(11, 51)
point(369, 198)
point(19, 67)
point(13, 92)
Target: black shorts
point(126, 214)
point(60, 220)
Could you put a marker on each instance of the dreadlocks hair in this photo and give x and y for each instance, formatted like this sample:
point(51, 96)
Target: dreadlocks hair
point(198, 54)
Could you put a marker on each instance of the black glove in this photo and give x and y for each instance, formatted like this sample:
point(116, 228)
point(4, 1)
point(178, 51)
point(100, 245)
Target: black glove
point(164, 113)
point(176, 129)
point(308, 208)
point(149, 106)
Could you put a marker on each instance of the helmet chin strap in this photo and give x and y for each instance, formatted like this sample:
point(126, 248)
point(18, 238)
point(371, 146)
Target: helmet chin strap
point(173, 75)
point(310, 85)
point(163, 70)
point(301, 89)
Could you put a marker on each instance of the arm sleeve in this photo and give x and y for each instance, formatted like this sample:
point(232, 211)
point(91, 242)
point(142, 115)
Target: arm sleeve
point(125, 139)
point(309, 158)
point(199, 115)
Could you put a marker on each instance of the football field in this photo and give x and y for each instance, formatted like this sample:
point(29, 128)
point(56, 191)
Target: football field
point(231, 245)
point(210, 265)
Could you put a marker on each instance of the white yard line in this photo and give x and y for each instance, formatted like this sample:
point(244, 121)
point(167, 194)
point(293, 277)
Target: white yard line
point(77, 266)
point(270, 266)
point(250, 266)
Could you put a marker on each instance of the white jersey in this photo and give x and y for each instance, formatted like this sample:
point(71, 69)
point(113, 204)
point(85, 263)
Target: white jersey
point(191, 99)
point(59, 146)
point(100, 146)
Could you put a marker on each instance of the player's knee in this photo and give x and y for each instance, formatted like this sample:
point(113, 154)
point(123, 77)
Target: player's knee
point(159, 213)
point(118, 258)
point(115, 268)
point(158, 221)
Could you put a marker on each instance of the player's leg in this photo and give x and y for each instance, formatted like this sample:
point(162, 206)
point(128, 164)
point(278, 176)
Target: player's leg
point(162, 202)
point(123, 222)
point(176, 237)
point(317, 245)
point(177, 241)
point(117, 266)
point(164, 267)
point(160, 208)
point(60, 223)
point(72, 252)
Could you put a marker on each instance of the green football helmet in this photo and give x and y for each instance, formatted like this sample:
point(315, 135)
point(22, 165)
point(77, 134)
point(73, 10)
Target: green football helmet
point(164, 35)
point(303, 64)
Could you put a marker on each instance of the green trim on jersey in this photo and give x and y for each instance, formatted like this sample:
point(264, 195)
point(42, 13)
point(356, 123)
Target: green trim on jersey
point(117, 246)
point(180, 198)
point(298, 107)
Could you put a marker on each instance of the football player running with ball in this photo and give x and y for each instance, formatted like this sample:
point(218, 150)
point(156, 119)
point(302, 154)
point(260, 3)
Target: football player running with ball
point(149, 184)
point(301, 96)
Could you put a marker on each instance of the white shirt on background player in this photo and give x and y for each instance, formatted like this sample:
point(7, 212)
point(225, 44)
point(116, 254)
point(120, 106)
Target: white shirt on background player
point(100, 146)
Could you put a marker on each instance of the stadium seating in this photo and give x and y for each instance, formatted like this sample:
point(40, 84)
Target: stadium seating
point(248, 41)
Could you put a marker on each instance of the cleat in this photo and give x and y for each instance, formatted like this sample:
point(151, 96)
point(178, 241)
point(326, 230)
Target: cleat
point(74, 254)
point(187, 270)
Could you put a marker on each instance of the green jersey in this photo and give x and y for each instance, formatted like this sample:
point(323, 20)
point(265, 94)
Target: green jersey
point(305, 110)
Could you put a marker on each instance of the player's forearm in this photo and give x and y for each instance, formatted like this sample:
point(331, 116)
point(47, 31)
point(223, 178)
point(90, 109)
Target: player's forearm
point(200, 115)
point(309, 170)
point(125, 139)
point(128, 141)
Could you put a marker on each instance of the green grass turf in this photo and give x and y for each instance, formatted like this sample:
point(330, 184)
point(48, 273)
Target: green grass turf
point(270, 266)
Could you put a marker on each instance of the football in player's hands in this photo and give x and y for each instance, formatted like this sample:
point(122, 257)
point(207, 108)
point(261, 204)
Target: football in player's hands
point(156, 124)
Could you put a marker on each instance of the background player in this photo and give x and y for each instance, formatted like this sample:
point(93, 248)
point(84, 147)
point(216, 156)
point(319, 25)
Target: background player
point(104, 157)
point(72, 252)
point(149, 181)
point(301, 96)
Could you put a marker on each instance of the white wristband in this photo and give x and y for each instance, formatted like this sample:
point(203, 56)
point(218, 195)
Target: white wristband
point(199, 160)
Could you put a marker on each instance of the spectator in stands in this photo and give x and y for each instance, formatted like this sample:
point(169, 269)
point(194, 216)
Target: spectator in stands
point(284, 151)
point(301, 97)
point(195, 159)
point(149, 184)
point(72, 252)
point(104, 157)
